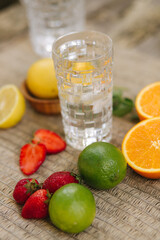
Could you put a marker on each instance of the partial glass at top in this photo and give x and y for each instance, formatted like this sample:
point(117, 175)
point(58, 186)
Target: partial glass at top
point(83, 63)
point(50, 19)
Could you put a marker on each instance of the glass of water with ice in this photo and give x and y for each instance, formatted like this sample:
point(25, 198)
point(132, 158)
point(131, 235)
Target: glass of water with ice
point(83, 63)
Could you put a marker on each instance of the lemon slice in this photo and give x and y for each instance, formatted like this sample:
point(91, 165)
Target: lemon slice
point(85, 70)
point(12, 106)
point(82, 66)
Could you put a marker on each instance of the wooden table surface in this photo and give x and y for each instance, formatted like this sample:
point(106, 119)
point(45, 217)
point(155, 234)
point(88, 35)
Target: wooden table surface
point(132, 209)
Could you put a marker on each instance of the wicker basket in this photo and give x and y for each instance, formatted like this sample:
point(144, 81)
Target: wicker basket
point(46, 106)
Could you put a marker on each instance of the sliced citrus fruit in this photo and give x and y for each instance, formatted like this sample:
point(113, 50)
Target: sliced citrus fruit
point(148, 101)
point(82, 73)
point(82, 66)
point(12, 106)
point(141, 148)
point(85, 69)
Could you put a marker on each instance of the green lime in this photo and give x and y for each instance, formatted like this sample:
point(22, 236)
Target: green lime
point(102, 165)
point(72, 208)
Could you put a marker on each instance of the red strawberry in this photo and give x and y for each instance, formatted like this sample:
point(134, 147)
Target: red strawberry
point(24, 188)
point(31, 157)
point(59, 179)
point(36, 206)
point(53, 142)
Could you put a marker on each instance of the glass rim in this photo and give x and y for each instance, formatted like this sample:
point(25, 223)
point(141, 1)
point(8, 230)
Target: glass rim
point(80, 32)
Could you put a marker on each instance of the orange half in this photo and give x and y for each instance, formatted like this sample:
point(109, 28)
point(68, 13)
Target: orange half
point(141, 148)
point(148, 101)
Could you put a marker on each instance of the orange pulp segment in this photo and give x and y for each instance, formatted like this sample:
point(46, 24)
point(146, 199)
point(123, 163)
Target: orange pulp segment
point(148, 101)
point(141, 148)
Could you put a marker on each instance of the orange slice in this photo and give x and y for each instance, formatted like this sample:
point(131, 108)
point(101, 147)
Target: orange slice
point(141, 148)
point(148, 101)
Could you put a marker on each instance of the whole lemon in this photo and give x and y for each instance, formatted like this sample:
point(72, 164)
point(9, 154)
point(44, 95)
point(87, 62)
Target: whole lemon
point(41, 79)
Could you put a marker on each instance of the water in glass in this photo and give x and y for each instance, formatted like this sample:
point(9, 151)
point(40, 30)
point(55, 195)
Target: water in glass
point(84, 73)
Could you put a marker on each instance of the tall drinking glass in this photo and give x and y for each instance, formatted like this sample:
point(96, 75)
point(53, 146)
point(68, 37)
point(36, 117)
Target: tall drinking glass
point(83, 63)
point(50, 19)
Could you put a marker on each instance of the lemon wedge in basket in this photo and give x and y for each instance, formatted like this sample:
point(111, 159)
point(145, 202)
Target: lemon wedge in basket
point(12, 106)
